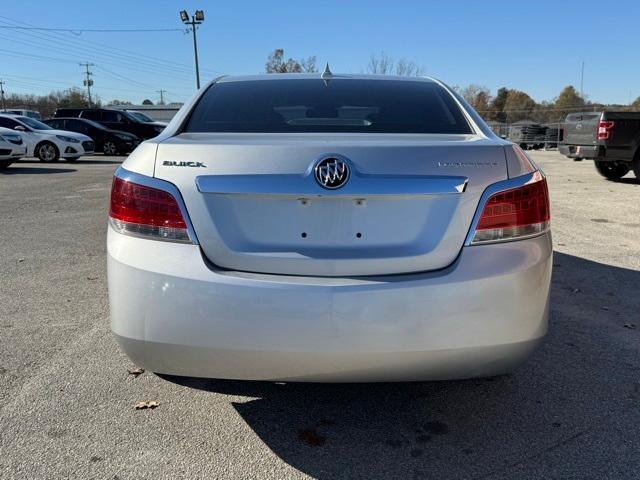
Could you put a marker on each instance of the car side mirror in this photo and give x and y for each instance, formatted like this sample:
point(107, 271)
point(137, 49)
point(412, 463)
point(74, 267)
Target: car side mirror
point(20, 128)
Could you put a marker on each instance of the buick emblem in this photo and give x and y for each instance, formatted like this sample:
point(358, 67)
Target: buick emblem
point(332, 173)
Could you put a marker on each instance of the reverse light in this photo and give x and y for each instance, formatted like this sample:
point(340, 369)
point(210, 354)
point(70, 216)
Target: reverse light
point(605, 129)
point(146, 212)
point(516, 213)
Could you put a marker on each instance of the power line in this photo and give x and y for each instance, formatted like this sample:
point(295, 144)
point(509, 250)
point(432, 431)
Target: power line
point(109, 58)
point(46, 41)
point(32, 83)
point(13, 53)
point(45, 58)
point(121, 77)
point(79, 31)
point(120, 55)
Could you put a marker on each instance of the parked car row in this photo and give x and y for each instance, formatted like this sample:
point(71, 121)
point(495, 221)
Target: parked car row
point(73, 133)
point(116, 120)
point(109, 142)
point(46, 143)
point(610, 139)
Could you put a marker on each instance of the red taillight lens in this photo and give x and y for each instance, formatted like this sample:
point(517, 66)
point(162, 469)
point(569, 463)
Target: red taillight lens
point(515, 213)
point(605, 129)
point(144, 211)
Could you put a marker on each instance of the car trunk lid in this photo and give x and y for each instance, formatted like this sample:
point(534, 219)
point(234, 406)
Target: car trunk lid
point(256, 206)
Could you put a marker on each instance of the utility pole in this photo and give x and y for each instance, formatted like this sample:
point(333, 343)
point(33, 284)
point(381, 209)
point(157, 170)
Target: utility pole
point(88, 82)
point(2, 93)
point(161, 92)
point(582, 81)
point(196, 19)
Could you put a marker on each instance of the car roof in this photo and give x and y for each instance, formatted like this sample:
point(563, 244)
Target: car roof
point(68, 118)
point(13, 116)
point(317, 76)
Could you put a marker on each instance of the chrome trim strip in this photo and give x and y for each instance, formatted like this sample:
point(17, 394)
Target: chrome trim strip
point(305, 185)
point(496, 188)
point(127, 175)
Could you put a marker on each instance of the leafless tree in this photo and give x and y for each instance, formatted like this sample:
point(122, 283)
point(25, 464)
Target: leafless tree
point(478, 97)
point(384, 64)
point(277, 64)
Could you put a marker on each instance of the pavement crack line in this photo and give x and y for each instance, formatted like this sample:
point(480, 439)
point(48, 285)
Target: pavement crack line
point(560, 443)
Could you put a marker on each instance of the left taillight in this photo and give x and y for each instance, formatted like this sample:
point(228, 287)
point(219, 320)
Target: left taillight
point(147, 212)
point(605, 129)
point(515, 213)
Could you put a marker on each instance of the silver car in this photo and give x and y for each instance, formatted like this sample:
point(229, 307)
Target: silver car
point(334, 228)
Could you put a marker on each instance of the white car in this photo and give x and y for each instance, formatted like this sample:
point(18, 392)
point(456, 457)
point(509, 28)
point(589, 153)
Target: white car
point(303, 227)
point(48, 144)
point(12, 147)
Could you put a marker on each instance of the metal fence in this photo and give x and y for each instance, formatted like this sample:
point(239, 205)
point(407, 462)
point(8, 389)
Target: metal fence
point(529, 134)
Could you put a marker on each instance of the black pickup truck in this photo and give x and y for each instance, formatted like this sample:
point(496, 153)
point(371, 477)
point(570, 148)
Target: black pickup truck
point(610, 139)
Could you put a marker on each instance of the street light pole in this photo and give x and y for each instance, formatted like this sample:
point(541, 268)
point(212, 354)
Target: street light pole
point(582, 81)
point(196, 19)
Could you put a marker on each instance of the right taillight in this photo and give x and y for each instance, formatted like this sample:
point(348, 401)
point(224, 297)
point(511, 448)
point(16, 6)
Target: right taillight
point(605, 129)
point(147, 212)
point(515, 213)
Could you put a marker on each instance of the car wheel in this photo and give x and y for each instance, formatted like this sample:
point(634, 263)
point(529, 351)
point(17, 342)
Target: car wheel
point(109, 148)
point(47, 152)
point(612, 170)
point(5, 164)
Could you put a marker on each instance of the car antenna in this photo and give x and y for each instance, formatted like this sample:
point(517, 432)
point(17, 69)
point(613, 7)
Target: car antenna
point(326, 75)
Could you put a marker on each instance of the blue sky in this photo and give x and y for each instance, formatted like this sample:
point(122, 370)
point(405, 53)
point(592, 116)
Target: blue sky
point(536, 46)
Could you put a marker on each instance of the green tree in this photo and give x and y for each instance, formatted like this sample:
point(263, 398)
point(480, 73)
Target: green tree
point(146, 101)
point(518, 106)
point(497, 105)
point(568, 101)
point(277, 64)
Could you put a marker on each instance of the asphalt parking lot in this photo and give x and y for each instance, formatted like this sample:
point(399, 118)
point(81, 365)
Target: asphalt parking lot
point(66, 397)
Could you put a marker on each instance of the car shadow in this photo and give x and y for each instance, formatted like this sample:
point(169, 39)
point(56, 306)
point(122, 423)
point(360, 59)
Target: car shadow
point(565, 413)
point(14, 170)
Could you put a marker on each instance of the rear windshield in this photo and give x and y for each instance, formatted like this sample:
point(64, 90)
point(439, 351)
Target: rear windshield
point(339, 105)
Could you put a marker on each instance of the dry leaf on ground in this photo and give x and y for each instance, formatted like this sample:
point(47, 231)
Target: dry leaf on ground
point(144, 405)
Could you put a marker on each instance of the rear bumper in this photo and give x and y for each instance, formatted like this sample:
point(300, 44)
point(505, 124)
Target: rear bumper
point(483, 315)
point(580, 151)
